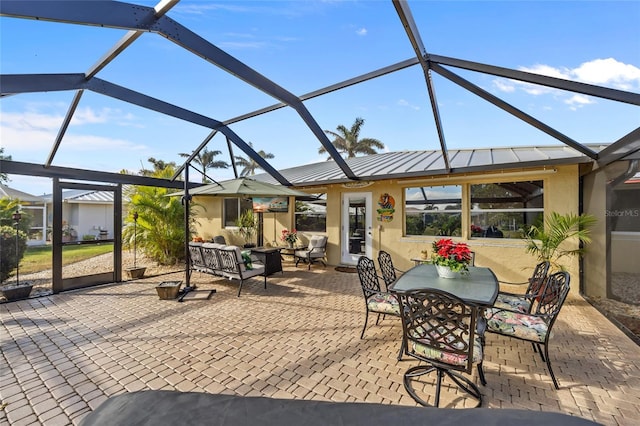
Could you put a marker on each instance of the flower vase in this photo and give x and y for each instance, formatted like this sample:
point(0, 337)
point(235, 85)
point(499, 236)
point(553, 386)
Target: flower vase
point(446, 272)
point(290, 244)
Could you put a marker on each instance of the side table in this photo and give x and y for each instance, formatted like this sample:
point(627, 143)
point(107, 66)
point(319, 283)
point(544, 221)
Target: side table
point(289, 251)
point(270, 257)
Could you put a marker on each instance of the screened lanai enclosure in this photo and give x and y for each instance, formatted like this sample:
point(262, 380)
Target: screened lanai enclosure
point(176, 45)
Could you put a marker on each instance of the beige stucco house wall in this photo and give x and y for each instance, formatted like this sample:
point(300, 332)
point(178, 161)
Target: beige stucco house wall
point(506, 257)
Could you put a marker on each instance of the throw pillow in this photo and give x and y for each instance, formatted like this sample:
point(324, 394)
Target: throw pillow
point(246, 258)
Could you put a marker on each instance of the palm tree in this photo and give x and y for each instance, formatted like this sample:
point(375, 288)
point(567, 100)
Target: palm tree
point(160, 224)
point(206, 159)
point(250, 166)
point(347, 141)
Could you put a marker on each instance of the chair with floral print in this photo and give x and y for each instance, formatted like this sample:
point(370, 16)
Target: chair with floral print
point(534, 327)
point(376, 301)
point(439, 329)
point(524, 302)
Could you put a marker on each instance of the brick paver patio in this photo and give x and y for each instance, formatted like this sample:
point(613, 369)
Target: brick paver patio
point(63, 355)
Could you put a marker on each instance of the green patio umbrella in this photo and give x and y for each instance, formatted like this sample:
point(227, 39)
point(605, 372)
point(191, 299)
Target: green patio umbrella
point(244, 187)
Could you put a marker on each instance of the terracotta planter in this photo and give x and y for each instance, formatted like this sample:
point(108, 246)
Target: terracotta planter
point(135, 273)
point(12, 293)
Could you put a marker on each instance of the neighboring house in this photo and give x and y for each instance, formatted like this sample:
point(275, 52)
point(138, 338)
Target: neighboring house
point(405, 200)
point(35, 207)
point(85, 214)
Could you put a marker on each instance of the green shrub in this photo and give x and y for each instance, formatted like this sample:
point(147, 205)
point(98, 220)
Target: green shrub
point(8, 257)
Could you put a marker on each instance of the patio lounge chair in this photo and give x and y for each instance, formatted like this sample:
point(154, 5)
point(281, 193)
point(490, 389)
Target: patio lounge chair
point(315, 251)
point(535, 327)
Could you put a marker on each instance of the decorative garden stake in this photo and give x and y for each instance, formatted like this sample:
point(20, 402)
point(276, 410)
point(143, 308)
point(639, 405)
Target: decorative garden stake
point(135, 272)
point(135, 237)
point(16, 217)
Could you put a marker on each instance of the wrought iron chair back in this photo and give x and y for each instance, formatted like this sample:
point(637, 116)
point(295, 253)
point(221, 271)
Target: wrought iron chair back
point(375, 300)
point(386, 267)
point(553, 295)
point(524, 302)
point(368, 277)
point(440, 330)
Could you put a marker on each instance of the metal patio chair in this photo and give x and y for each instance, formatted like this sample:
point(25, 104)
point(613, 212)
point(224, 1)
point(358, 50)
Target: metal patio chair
point(534, 327)
point(524, 302)
point(439, 329)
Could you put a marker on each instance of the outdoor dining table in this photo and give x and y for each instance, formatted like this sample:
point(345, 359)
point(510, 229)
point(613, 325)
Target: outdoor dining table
point(479, 287)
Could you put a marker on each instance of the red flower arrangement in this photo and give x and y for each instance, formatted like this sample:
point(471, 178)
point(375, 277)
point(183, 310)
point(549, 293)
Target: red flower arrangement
point(289, 236)
point(456, 256)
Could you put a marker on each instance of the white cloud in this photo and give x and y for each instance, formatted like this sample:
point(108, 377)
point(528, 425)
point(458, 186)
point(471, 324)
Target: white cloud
point(404, 103)
point(603, 72)
point(35, 132)
point(609, 72)
point(504, 85)
point(361, 32)
point(578, 101)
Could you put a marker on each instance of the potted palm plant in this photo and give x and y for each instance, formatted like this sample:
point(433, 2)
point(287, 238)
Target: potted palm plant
point(247, 226)
point(546, 242)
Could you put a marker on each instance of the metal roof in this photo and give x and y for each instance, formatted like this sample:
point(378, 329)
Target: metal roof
point(407, 164)
point(83, 196)
point(7, 192)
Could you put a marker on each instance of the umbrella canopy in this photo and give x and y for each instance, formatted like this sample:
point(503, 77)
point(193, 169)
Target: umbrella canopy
point(244, 187)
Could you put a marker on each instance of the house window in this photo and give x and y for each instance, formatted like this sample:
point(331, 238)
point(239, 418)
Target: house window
point(433, 210)
point(233, 208)
point(506, 210)
point(311, 213)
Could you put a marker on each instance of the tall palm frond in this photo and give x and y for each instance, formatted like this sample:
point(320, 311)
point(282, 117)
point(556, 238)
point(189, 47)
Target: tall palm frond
point(159, 230)
point(347, 141)
point(249, 166)
point(206, 160)
point(546, 241)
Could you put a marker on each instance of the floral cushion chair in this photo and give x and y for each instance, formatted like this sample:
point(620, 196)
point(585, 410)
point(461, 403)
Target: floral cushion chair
point(534, 327)
point(524, 302)
point(439, 330)
point(376, 301)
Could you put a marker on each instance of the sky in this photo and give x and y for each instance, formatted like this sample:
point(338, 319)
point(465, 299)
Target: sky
point(307, 45)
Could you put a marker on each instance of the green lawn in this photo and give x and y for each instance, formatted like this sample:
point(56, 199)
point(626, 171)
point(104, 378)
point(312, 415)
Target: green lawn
point(38, 258)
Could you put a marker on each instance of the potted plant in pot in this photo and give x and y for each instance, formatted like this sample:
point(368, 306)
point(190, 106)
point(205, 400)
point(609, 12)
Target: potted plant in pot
point(546, 242)
point(451, 259)
point(247, 227)
point(12, 247)
point(289, 237)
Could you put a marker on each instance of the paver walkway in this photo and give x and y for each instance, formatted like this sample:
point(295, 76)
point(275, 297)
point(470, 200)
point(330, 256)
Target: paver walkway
point(63, 355)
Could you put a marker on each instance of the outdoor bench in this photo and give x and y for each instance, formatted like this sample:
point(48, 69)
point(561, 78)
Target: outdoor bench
point(225, 261)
